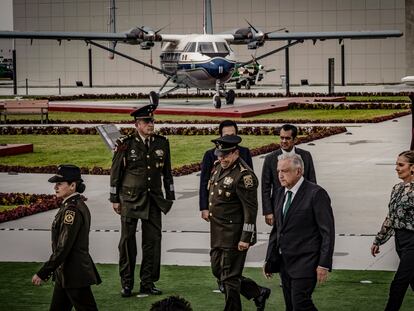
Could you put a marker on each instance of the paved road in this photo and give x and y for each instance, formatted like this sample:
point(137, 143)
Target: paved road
point(357, 169)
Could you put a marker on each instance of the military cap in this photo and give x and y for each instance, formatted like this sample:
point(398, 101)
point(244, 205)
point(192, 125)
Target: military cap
point(143, 112)
point(226, 144)
point(66, 172)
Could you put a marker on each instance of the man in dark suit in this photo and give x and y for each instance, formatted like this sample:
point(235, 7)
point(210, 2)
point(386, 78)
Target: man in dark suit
point(226, 127)
point(301, 243)
point(270, 180)
point(141, 167)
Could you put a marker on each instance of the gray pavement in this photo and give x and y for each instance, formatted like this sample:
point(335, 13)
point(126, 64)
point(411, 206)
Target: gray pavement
point(356, 168)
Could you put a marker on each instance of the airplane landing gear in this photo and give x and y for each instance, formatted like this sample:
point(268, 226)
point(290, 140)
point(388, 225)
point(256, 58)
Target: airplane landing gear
point(154, 98)
point(230, 96)
point(217, 101)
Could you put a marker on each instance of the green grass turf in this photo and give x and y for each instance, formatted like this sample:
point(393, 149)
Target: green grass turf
point(90, 150)
point(288, 115)
point(342, 292)
point(7, 207)
point(377, 98)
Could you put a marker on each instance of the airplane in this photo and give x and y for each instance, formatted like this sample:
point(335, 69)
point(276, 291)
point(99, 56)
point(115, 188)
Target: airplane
point(202, 61)
point(409, 80)
point(249, 74)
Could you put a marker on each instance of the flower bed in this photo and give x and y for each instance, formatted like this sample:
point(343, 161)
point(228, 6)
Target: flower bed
point(28, 204)
point(310, 132)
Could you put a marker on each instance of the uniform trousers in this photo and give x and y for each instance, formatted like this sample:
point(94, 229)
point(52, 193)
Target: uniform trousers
point(65, 298)
point(151, 249)
point(297, 292)
point(404, 244)
point(227, 266)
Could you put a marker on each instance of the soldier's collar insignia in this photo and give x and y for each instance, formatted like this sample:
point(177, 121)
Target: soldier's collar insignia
point(132, 151)
point(228, 180)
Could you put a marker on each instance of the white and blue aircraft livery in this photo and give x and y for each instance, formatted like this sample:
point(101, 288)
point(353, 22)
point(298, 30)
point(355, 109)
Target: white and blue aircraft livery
point(203, 61)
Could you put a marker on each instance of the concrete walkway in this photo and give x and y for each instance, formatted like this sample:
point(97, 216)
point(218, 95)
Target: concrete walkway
point(356, 168)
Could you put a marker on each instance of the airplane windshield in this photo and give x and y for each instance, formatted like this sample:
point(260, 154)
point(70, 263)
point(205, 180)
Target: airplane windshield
point(190, 47)
point(205, 47)
point(222, 47)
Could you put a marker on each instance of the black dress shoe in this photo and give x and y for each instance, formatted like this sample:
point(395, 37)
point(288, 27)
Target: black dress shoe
point(126, 292)
point(260, 301)
point(150, 290)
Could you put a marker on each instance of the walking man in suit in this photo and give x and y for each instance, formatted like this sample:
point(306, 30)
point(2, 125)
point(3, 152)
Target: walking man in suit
point(301, 243)
point(270, 180)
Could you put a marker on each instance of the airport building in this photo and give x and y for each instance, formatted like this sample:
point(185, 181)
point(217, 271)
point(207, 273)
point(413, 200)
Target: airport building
point(379, 61)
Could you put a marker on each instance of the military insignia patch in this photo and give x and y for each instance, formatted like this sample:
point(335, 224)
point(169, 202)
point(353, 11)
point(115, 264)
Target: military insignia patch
point(228, 180)
point(159, 152)
point(69, 217)
point(248, 181)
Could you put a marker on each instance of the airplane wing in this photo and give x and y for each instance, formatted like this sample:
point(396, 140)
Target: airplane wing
point(140, 35)
point(255, 38)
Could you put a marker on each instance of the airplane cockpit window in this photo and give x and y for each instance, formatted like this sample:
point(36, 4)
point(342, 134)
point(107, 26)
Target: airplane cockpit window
point(190, 47)
point(222, 47)
point(205, 48)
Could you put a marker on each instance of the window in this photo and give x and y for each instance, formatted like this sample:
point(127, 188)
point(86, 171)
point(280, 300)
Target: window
point(205, 47)
point(190, 47)
point(222, 47)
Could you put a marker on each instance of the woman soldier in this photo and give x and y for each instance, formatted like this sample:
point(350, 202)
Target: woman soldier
point(70, 263)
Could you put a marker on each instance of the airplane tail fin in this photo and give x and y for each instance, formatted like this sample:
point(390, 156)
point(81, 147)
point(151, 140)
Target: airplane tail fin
point(112, 26)
point(208, 18)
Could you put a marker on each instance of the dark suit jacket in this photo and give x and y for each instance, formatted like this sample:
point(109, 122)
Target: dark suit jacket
point(305, 237)
point(270, 179)
point(207, 166)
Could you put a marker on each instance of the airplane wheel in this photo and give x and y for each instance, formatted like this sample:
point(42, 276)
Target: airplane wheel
point(216, 101)
point(230, 96)
point(238, 85)
point(247, 85)
point(154, 98)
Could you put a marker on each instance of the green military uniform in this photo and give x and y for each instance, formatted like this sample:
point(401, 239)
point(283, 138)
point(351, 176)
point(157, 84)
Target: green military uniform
point(233, 210)
point(137, 175)
point(70, 264)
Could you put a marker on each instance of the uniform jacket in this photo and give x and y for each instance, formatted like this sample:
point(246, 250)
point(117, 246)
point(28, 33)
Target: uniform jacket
point(270, 178)
point(305, 237)
point(70, 262)
point(233, 205)
point(137, 175)
point(207, 165)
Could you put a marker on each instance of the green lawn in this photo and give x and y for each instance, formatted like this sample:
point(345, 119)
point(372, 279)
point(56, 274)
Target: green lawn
point(288, 115)
point(7, 207)
point(90, 150)
point(377, 98)
point(343, 291)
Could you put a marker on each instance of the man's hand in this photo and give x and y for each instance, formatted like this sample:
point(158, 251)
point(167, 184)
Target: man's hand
point(267, 275)
point(269, 219)
point(243, 246)
point(375, 250)
point(36, 280)
point(117, 207)
point(321, 275)
point(205, 215)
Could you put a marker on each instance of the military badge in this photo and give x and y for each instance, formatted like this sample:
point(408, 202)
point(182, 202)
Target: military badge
point(228, 194)
point(69, 217)
point(159, 152)
point(220, 191)
point(228, 181)
point(248, 181)
point(132, 151)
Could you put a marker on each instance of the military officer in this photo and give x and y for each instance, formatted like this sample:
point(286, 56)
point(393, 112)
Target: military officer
point(232, 214)
point(140, 165)
point(70, 263)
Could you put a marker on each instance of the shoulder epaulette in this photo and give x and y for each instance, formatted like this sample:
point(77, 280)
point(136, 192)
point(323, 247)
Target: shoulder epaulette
point(124, 138)
point(242, 168)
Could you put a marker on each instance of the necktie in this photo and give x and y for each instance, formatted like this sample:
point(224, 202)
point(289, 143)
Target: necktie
point(288, 202)
point(147, 143)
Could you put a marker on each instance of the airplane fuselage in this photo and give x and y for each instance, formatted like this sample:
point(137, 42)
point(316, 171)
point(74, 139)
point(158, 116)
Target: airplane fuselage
point(198, 61)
